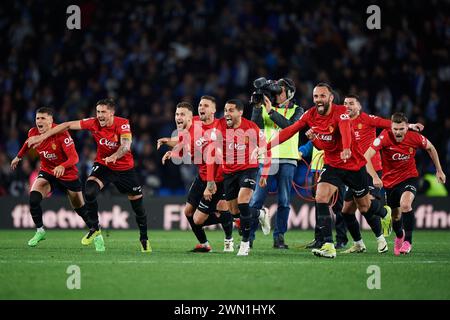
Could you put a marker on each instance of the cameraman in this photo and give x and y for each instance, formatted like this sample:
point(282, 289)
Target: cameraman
point(273, 114)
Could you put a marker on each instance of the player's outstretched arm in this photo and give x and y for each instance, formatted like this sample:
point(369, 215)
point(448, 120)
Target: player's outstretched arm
point(19, 156)
point(125, 146)
point(370, 169)
point(69, 125)
point(416, 127)
point(440, 175)
point(15, 162)
point(171, 142)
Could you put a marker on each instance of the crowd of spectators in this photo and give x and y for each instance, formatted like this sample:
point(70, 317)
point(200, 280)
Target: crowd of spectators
point(150, 55)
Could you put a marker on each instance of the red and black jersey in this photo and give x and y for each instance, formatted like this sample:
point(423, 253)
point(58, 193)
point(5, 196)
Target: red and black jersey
point(238, 144)
point(198, 137)
point(398, 157)
point(108, 141)
point(365, 128)
point(332, 133)
point(57, 150)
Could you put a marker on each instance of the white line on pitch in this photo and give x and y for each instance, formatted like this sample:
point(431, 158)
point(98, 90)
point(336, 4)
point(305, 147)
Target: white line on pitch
point(234, 261)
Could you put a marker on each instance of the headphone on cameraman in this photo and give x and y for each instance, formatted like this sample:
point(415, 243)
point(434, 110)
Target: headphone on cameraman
point(289, 85)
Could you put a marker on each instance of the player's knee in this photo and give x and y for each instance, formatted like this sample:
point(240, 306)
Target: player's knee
point(222, 205)
point(364, 203)
point(234, 211)
point(348, 208)
point(35, 199)
point(322, 198)
point(405, 206)
point(189, 211)
point(396, 216)
point(91, 191)
point(364, 208)
point(198, 219)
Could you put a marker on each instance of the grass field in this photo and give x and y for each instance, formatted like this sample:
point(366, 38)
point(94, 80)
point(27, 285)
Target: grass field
point(170, 272)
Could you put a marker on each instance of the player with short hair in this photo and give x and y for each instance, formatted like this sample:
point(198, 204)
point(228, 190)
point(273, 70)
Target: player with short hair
point(364, 125)
point(236, 139)
point(398, 148)
point(344, 161)
point(203, 207)
point(114, 164)
point(58, 158)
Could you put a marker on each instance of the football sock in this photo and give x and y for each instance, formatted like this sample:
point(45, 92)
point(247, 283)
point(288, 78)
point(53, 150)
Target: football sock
point(198, 230)
point(35, 208)
point(408, 223)
point(374, 223)
point(397, 227)
point(246, 219)
point(90, 194)
point(227, 223)
point(376, 209)
point(83, 213)
point(212, 219)
point(324, 221)
point(352, 226)
point(141, 217)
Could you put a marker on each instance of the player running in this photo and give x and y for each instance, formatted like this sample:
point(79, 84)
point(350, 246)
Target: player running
point(203, 207)
point(398, 148)
point(344, 161)
point(58, 158)
point(364, 126)
point(236, 139)
point(114, 164)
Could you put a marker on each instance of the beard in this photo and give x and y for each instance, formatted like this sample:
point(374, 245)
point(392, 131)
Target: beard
point(323, 109)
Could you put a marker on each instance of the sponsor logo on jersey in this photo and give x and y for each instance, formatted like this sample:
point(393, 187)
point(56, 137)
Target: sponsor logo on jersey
point(325, 137)
point(201, 142)
point(400, 157)
point(48, 156)
point(68, 141)
point(109, 144)
point(236, 146)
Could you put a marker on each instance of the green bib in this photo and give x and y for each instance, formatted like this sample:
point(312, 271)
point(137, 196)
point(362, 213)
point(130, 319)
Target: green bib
point(436, 189)
point(317, 160)
point(289, 148)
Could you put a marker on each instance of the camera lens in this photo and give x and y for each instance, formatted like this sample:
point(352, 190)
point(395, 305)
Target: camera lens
point(260, 82)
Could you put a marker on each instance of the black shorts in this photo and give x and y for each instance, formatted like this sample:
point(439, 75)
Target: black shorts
point(126, 181)
point(394, 194)
point(72, 185)
point(233, 182)
point(375, 192)
point(355, 180)
point(195, 196)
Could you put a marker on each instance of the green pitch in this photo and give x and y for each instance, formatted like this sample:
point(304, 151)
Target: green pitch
point(170, 272)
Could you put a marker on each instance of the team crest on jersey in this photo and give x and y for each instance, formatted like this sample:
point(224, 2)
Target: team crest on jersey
point(359, 126)
point(331, 129)
point(411, 150)
point(53, 146)
point(247, 140)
